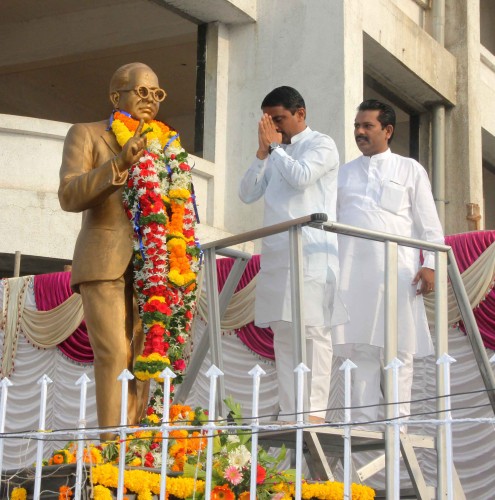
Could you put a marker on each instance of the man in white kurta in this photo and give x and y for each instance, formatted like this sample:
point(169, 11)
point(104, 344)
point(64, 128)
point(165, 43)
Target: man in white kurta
point(296, 173)
point(384, 192)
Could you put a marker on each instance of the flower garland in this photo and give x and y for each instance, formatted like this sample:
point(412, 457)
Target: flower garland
point(159, 202)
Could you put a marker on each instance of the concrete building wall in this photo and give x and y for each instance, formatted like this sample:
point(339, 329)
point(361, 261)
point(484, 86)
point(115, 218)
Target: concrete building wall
point(326, 49)
point(288, 45)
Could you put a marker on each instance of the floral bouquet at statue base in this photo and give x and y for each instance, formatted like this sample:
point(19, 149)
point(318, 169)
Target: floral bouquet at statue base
point(186, 462)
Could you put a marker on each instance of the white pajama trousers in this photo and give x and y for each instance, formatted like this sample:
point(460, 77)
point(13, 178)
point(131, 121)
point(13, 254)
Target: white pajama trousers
point(366, 389)
point(319, 354)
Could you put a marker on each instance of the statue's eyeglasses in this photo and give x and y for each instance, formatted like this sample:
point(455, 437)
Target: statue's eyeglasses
point(144, 92)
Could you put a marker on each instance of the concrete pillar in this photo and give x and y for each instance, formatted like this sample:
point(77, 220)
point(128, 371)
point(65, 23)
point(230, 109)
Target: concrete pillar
point(464, 182)
point(215, 122)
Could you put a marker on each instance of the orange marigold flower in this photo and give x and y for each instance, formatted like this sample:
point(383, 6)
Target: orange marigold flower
point(179, 434)
point(64, 493)
point(58, 459)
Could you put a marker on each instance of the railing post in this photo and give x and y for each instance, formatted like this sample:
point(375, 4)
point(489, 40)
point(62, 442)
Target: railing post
point(82, 381)
point(300, 372)
point(214, 327)
point(444, 363)
point(441, 347)
point(43, 382)
point(394, 367)
point(297, 298)
point(167, 375)
point(4, 384)
point(213, 373)
point(256, 373)
point(390, 353)
point(124, 377)
point(347, 366)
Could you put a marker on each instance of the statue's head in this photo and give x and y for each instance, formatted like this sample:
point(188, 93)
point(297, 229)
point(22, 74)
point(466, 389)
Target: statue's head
point(134, 88)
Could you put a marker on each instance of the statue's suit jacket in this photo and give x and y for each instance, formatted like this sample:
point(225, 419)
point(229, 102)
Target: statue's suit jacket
point(89, 183)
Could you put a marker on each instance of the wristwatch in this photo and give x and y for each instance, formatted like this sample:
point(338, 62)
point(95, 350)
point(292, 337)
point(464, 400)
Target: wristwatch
point(272, 147)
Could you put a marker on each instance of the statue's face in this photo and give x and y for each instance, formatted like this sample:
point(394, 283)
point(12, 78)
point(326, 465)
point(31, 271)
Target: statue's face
point(130, 99)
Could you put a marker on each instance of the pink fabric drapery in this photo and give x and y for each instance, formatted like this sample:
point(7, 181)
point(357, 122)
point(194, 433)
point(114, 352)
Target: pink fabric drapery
point(259, 340)
point(467, 247)
point(50, 290)
point(53, 289)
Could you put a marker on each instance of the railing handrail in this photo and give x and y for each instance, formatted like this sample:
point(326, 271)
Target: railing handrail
point(321, 220)
point(265, 231)
point(337, 227)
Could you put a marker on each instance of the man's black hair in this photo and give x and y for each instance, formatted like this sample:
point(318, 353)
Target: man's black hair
point(287, 97)
point(386, 115)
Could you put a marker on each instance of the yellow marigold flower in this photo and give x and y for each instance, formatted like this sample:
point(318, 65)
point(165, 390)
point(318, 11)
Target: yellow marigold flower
point(180, 279)
point(144, 434)
point(18, 494)
point(153, 418)
point(156, 297)
point(106, 475)
point(96, 455)
point(176, 242)
point(146, 375)
point(154, 356)
point(180, 193)
point(176, 234)
point(101, 493)
point(184, 487)
point(122, 133)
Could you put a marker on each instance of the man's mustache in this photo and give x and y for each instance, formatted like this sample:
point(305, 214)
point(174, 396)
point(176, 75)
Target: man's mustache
point(363, 137)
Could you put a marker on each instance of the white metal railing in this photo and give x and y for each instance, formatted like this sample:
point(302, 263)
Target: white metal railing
point(445, 264)
point(83, 435)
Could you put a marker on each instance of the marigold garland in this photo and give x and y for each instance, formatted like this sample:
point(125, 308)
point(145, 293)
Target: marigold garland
point(145, 483)
point(159, 203)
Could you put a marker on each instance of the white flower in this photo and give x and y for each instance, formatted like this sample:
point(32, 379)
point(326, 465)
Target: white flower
point(154, 146)
point(174, 150)
point(233, 438)
point(239, 457)
point(157, 460)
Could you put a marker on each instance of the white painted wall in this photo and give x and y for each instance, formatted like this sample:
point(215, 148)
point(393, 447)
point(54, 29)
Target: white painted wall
point(32, 221)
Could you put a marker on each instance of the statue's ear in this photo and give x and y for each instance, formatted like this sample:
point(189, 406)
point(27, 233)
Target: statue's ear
point(114, 97)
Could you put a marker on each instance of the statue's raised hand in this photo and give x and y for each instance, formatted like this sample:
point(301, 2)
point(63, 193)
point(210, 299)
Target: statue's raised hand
point(133, 149)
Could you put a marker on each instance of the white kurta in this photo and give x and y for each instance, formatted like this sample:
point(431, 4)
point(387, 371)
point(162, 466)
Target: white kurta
point(297, 179)
point(388, 193)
